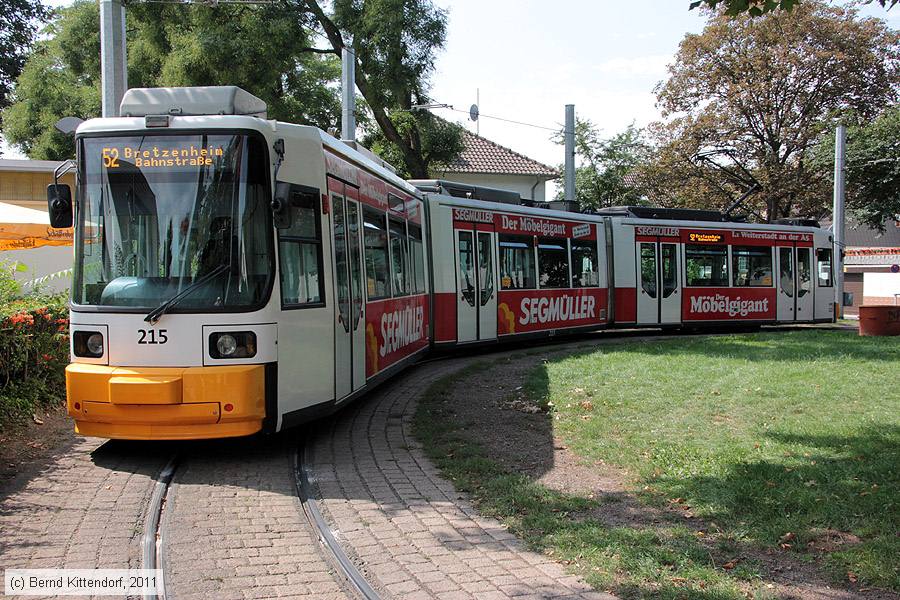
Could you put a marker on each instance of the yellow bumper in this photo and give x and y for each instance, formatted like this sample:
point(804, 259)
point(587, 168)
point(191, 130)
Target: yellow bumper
point(166, 403)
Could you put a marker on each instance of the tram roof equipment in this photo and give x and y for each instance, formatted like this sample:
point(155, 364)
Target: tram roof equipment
point(191, 101)
point(467, 190)
point(668, 214)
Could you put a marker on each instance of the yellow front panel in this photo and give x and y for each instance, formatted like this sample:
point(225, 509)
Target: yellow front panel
point(166, 403)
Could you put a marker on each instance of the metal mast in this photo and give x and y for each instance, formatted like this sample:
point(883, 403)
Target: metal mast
point(840, 136)
point(348, 95)
point(570, 153)
point(113, 69)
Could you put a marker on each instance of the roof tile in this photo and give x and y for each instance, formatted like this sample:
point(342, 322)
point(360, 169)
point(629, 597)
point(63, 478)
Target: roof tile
point(481, 155)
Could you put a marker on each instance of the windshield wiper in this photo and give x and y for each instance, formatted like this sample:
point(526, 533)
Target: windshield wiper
point(154, 315)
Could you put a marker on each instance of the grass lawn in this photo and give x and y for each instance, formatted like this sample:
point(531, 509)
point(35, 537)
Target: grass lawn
point(788, 441)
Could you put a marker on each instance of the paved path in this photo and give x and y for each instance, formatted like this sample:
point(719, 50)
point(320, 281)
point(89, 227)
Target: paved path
point(85, 510)
point(408, 530)
point(235, 527)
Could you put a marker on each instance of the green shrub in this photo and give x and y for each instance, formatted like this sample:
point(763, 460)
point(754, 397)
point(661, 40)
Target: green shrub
point(34, 348)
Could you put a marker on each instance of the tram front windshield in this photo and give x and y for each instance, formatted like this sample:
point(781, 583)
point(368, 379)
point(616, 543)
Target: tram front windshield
point(160, 213)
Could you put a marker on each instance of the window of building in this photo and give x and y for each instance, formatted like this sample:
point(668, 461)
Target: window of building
point(585, 271)
point(399, 258)
point(376, 250)
point(300, 250)
point(752, 266)
point(553, 263)
point(417, 258)
point(706, 265)
point(823, 260)
point(517, 263)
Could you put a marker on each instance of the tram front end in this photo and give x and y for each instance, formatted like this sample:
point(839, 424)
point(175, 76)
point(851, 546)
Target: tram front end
point(173, 332)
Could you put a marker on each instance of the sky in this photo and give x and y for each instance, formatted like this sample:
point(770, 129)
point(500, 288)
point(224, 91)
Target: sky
point(526, 59)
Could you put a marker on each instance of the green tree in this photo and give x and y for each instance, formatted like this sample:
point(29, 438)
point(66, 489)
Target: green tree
point(748, 98)
point(395, 42)
point(872, 164)
point(263, 49)
point(20, 19)
point(606, 175)
point(756, 8)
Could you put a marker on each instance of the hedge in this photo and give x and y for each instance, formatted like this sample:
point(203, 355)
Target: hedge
point(34, 350)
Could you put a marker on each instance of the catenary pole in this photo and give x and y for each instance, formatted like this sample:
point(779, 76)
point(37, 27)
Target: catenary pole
point(114, 73)
point(348, 94)
point(840, 137)
point(570, 153)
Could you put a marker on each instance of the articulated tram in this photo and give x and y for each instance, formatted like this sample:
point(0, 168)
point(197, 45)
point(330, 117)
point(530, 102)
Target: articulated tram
point(235, 274)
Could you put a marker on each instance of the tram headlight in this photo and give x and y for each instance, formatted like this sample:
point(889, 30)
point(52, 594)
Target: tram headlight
point(87, 344)
point(226, 345)
point(232, 344)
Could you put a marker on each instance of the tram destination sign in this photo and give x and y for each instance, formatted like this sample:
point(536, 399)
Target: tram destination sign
point(160, 156)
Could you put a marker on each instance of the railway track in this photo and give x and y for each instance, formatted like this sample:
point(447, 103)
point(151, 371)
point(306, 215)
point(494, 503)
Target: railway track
point(151, 544)
point(157, 525)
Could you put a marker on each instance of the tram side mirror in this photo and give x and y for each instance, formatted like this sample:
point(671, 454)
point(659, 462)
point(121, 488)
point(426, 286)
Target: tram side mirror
point(281, 206)
point(59, 205)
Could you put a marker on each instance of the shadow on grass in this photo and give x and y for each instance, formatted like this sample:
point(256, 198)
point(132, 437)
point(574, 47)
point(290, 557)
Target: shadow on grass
point(836, 495)
point(793, 346)
point(660, 560)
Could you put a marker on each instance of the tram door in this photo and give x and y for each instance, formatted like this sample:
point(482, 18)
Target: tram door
point(349, 328)
point(658, 301)
point(476, 286)
point(795, 291)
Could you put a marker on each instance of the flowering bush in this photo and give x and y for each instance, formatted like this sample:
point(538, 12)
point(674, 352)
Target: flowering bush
point(34, 349)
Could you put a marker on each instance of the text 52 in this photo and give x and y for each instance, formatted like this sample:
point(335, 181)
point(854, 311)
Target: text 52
point(152, 336)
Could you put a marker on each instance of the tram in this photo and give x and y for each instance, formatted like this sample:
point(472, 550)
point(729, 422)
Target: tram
point(235, 274)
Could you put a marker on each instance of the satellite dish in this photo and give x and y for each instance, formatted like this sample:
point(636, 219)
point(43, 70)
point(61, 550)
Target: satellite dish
point(473, 112)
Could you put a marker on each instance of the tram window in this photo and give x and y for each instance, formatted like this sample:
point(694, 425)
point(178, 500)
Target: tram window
point(516, 263)
point(786, 262)
point(553, 263)
point(376, 250)
point(752, 266)
point(648, 269)
point(417, 258)
point(584, 264)
point(399, 259)
point(706, 265)
point(804, 272)
point(823, 259)
point(396, 203)
point(300, 250)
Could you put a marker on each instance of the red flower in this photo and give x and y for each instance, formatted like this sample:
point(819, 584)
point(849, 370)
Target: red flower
point(46, 357)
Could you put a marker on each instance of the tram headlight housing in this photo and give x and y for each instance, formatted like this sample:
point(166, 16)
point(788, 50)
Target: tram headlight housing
point(87, 344)
point(232, 344)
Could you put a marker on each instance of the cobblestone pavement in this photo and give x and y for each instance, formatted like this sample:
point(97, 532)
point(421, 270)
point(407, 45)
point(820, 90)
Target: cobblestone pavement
point(85, 510)
point(407, 528)
point(235, 528)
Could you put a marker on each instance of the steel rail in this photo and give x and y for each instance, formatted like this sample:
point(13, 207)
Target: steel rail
point(302, 458)
point(151, 542)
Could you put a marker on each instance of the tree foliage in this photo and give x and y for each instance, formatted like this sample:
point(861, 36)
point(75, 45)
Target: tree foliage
point(439, 141)
point(872, 163)
point(263, 49)
point(395, 42)
point(748, 98)
point(606, 175)
point(756, 8)
point(269, 50)
point(20, 20)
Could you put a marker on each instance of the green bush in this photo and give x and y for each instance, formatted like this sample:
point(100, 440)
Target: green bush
point(34, 348)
